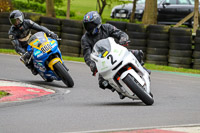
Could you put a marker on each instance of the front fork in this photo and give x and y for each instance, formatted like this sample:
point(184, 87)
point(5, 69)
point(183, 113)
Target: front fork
point(53, 60)
point(133, 71)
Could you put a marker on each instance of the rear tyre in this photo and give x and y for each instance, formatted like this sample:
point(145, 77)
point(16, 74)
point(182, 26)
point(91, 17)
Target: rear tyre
point(139, 91)
point(61, 71)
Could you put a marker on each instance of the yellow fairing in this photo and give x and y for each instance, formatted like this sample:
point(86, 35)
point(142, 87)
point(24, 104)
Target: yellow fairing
point(34, 43)
point(52, 42)
point(54, 61)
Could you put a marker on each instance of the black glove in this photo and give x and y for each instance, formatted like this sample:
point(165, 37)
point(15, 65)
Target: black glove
point(93, 67)
point(54, 36)
point(124, 41)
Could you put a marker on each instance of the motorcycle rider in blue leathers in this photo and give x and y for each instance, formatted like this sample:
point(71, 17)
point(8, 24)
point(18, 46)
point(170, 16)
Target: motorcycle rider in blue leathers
point(20, 32)
point(96, 31)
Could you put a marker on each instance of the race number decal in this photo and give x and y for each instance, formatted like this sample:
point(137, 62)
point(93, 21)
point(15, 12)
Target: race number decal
point(46, 48)
point(111, 58)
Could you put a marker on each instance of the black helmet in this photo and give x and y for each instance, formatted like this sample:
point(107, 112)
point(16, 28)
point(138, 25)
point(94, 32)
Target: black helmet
point(92, 22)
point(16, 18)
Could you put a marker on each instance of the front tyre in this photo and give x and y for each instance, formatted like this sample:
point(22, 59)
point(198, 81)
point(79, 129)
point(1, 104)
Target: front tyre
point(49, 80)
point(138, 90)
point(62, 72)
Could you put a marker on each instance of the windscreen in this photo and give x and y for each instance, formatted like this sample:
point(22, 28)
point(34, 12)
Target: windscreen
point(40, 37)
point(102, 48)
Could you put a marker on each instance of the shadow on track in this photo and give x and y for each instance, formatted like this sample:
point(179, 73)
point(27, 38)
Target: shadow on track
point(117, 104)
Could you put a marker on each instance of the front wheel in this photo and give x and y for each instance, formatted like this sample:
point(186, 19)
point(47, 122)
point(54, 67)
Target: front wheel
point(62, 72)
point(138, 90)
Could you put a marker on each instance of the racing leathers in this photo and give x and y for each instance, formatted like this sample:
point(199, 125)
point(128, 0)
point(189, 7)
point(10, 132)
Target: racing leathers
point(88, 40)
point(19, 37)
point(106, 30)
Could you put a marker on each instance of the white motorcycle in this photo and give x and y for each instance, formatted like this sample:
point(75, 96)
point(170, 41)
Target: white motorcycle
point(122, 70)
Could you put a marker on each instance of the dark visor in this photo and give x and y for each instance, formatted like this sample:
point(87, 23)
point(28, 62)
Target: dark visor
point(13, 21)
point(90, 26)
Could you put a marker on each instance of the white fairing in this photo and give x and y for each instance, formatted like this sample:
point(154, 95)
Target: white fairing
point(110, 62)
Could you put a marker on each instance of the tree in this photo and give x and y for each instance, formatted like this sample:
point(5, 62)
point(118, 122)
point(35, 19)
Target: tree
point(150, 12)
point(50, 11)
point(68, 9)
point(133, 11)
point(101, 5)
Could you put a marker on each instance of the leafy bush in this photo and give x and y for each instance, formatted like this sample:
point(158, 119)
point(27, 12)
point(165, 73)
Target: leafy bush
point(39, 1)
point(56, 2)
point(35, 7)
point(5, 6)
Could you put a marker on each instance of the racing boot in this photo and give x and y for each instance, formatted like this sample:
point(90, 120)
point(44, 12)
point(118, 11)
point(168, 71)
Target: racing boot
point(104, 84)
point(34, 71)
point(32, 68)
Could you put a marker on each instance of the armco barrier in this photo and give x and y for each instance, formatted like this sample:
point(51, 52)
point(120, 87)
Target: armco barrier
point(162, 44)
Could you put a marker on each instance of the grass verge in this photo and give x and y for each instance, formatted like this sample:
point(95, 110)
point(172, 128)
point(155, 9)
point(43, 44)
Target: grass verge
point(3, 93)
point(148, 66)
point(8, 51)
point(171, 69)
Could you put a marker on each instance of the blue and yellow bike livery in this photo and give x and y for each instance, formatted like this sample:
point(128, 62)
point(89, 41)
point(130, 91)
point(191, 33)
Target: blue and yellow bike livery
point(47, 59)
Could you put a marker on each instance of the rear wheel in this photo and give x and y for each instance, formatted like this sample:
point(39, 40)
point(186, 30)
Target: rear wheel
point(62, 72)
point(138, 90)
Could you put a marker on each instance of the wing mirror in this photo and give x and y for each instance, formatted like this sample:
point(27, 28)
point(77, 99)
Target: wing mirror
point(165, 4)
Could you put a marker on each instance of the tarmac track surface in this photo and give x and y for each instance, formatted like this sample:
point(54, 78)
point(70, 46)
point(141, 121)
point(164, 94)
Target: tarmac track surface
point(88, 108)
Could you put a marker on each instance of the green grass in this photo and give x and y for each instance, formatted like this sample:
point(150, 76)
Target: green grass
point(7, 51)
point(171, 69)
point(69, 58)
point(3, 93)
point(81, 7)
point(148, 66)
